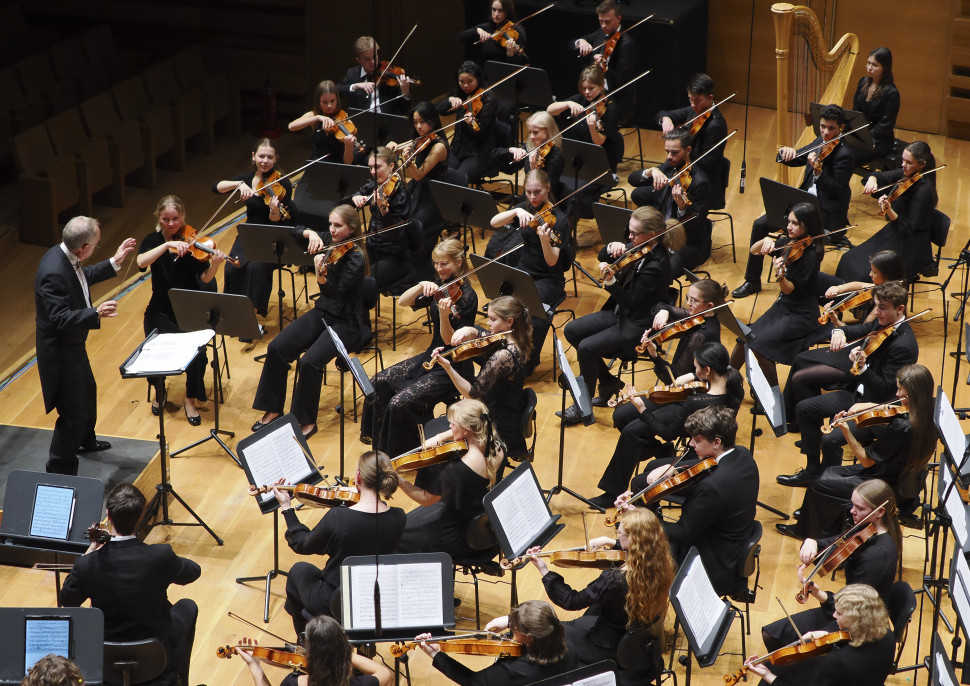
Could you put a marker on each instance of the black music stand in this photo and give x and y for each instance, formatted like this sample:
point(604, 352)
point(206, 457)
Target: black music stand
point(589, 675)
point(227, 315)
point(497, 279)
point(767, 401)
point(21, 549)
point(345, 363)
point(861, 139)
point(779, 198)
point(321, 188)
point(530, 87)
point(613, 222)
point(85, 632)
point(164, 489)
point(585, 161)
point(275, 245)
point(466, 206)
point(263, 467)
point(389, 127)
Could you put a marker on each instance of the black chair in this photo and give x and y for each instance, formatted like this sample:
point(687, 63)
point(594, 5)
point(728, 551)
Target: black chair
point(718, 202)
point(134, 662)
point(503, 139)
point(901, 605)
point(890, 161)
point(528, 431)
point(396, 289)
point(750, 564)
point(481, 537)
point(939, 232)
point(640, 655)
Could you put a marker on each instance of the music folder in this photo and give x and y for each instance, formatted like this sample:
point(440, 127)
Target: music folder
point(519, 514)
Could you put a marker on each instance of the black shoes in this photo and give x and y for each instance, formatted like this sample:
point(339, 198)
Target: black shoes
point(156, 410)
point(604, 500)
point(97, 447)
point(258, 426)
point(787, 530)
point(309, 433)
point(194, 421)
point(571, 416)
point(607, 392)
point(802, 478)
point(797, 514)
point(746, 289)
point(840, 241)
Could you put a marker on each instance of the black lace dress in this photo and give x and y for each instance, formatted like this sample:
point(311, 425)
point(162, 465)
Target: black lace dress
point(499, 385)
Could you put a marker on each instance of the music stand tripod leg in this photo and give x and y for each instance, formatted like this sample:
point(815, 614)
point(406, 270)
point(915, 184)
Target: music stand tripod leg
point(755, 432)
point(271, 574)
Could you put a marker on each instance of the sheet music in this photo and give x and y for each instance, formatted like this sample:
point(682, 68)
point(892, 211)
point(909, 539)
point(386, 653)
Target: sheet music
point(954, 506)
point(522, 512)
point(950, 430)
point(942, 671)
point(410, 595)
point(701, 606)
point(337, 342)
point(169, 351)
point(53, 512)
point(43, 636)
point(564, 368)
point(959, 591)
point(277, 455)
point(604, 679)
point(762, 388)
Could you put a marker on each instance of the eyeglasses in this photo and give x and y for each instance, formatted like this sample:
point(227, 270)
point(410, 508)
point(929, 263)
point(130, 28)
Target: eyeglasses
point(691, 299)
point(633, 233)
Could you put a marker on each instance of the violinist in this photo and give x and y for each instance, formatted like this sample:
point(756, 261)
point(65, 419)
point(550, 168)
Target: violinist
point(340, 306)
point(875, 562)
point(369, 527)
point(500, 380)
point(781, 332)
point(620, 63)
point(331, 661)
point(173, 266)
point(453, 497)
point(429, 162)
point(620, 600)
point(539, 153)
point(830, 184)
point(545, 255)
point(885, 265)
point(634, 292)
point(390, 205)
point(683, 196)
point(704, 135)
point(645, 426)
point(895, 451)
point(878, 99)
point(909, 214)
point(357, 87)
point(718, 515)
point(405, 393)
point(535, 625)
point(875, 383)
point(474, 137)
point(128, 581)
point(485, 47)
point(266, 203)
point(866, 660)
point(600, 128)
point(324, 111)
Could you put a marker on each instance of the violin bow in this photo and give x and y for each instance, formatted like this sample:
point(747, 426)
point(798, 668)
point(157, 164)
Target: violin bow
point(307, 455)
point(393, 57)
point(889, 326)
point(691, 316)
point(673, 467)
point(809, 239)
point(921, 174)
point(486, 90)
point(706, 153)
point(695, 118)
point(598, 101)
point(822, 557)
point(256, 191)
point(411, 155)
point(268, 633)
point(824, 143)
point(549, 6)
point(620, 34)
point(791, 620)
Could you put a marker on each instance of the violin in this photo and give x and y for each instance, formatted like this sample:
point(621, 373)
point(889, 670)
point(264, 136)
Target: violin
point(463, 645)
point(678, 328)
point(272, 188)
point(669, 484)
point(469, 349)
point(872, 341)
point(334, 254)
point(840, 552)
point(506, 33)
point(792, 253)
point(879, 414)
point(98, 533)
point(316, 496)
point(663, 394)
point(391, 75)
point(343, 127)
point(599, 109)
point(825, 150)
point(452, 290)
point(384, 192)
point(408, 462)
point(539, 161)
point(506, 563)
point(793, 653)
point(631, 256)
point(849, 302)
point(600, 559)
point(200, 248)
point(416, 146)
point(545, 216)
point(271, 656)
point(699, 122)
point(474, 105)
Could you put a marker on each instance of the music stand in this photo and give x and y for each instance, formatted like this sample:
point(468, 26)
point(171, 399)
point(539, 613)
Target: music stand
point(612, 222)
point(147, 362)
point(779, 198)
point(767, 401)
point(21, 549)
point(587, 161)
point(940, 666)
point(278, 246)
point(226, 314)
point(519, 515)
point(693, 597)
point(530, 87)
point(345, 363)
point(277, 451)
point(602, 673)
point(389, 127)
point(466, 206)
point(322, 186)
point(853, 120)
point(84, 631)
point(497, 279)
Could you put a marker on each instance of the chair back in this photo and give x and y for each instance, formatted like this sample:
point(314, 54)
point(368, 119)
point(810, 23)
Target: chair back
point(720, 183)
point(640, 650)
point(368, 293)
point(455, 177)
point(939, 228)
point(911, 484)
point(752, 549)
point(479, 535)
point(133, 662)
point(901, 605)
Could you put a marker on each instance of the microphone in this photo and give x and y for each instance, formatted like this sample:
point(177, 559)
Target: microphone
point(744, 174)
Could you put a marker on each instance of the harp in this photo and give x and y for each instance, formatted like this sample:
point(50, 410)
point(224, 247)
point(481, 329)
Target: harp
point(806, 72)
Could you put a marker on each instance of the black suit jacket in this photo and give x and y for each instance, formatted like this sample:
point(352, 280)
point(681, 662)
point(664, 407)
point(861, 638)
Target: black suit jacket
point(359, 100)
point(879, 378)
point(710, 135)
point(718, 518)
point(63, 317)
point(621, 68)
point(832, 184)
point(637, 289)
point(128, 581)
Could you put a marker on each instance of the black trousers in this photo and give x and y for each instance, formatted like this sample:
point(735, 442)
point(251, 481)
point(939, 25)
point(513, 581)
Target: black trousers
point(756, 263)
point(306, 590)
point(596, 336)
point(637, 442)
point(809, 414)
point(77, 411)
point(185, 615)
point(309, 336)
point(827, 502)
point(253, 279)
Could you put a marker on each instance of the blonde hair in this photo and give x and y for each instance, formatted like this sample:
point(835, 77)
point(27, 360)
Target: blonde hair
point(864, 614)
point(537, 619)
point(876, 492)
point(367, 466)
point(365, 44)
point(386, 155)
point(594, 75)
point(543, 120)
point(649, 568)
point(472, 415)
point(451, 249)
point(649, 219)
point(169, 202)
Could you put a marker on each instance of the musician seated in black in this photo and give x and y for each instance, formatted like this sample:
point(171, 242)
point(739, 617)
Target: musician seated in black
point(867, 658)
point(484, 47)
point(830, 183)
point(681, 195)
point(474, 137)
point(620, 64)
point(875, 382)
point(885, 265)
point(876, 563)
point(367, 527)
point(324, 108)
point(545, 254)
point(707, 128)
point(357, 86)
point(537, 154)
point(635, 289)
point(877, 98)
point(894, 451)
point(534, 624)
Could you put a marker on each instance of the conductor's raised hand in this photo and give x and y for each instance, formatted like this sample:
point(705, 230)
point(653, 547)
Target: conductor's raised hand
point(126, 247)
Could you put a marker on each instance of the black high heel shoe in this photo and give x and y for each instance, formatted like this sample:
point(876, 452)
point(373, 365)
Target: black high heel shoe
point(194, 421)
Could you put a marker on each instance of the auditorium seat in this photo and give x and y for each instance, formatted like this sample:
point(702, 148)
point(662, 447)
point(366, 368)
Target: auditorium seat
point(158, 136)
point(71, 67)
point(220, 91)
point(24, 112)
point(37, 79)
point(48, 186)
point(188, 120)
point(125, 148)
point(94, 173)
